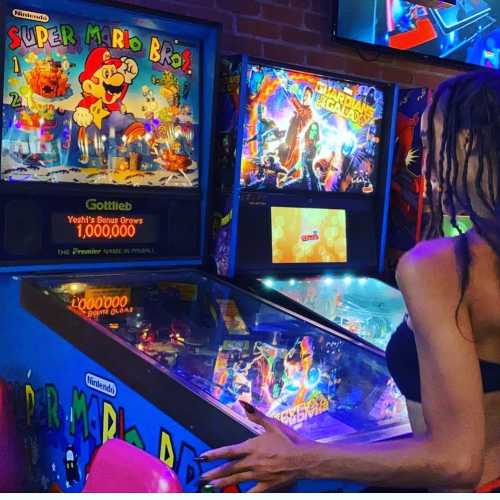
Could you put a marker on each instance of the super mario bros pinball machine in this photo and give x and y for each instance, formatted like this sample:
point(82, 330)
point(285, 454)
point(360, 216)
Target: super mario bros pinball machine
point(161, 359)
point(106, 133)
point(105, 161)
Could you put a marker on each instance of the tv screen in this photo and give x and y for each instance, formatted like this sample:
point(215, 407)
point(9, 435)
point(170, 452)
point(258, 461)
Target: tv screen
point(306, 132)
point(468, 32)
point(308, 235)
point(95, 94)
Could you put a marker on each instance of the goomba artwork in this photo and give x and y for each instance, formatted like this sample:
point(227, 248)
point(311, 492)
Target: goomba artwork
point(71, 465)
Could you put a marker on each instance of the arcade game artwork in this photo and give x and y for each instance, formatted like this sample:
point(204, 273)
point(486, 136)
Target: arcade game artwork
point(89, 102)
point(304, 132)
point(308, 235)
point(467, 32)
point(408, 213)
point(366, 307)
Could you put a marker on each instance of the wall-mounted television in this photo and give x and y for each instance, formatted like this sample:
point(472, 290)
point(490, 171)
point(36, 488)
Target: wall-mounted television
point(466, 33)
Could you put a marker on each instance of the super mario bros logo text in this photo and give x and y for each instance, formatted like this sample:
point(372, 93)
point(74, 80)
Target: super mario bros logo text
point(161, 52)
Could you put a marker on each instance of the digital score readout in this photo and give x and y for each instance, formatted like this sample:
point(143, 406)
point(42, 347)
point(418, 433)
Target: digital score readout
point(102, 301)
point(112, 229)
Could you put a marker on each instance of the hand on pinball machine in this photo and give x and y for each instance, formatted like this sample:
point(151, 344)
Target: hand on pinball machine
point(271, 459)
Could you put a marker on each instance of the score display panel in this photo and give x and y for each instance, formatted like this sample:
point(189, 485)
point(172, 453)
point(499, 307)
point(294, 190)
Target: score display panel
point(78, 228)
point(107, 113)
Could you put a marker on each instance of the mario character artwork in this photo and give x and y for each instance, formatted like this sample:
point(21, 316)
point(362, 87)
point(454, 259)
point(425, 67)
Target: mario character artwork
point(100, 104)
point(105, 81)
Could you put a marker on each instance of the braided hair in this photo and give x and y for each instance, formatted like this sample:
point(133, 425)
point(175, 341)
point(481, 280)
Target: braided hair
point(467, 165)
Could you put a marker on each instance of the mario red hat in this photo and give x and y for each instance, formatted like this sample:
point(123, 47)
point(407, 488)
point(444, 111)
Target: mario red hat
point(96, 60)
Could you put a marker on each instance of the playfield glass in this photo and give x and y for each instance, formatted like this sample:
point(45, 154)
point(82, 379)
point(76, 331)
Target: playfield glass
point(94, 94)
point(467, 32)
point(305, 132)
point(227, 345)
point(366, 307)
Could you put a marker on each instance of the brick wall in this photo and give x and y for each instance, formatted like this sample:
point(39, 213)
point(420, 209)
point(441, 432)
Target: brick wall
point(299, 32)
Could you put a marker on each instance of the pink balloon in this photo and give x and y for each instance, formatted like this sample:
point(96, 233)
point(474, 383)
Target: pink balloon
point(11, 448)
point(119, 467)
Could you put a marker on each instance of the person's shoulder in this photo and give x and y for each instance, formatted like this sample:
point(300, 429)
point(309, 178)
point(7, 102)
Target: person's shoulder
point(432, 261)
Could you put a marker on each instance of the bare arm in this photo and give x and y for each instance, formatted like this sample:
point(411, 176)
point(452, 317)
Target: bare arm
point(449, 455)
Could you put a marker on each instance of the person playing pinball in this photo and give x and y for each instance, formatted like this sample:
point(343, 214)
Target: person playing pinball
point(445, 356)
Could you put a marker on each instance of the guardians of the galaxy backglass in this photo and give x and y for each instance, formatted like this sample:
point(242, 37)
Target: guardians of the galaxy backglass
point(305, 132)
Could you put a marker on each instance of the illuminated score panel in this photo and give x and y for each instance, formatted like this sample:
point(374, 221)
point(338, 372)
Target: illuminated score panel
point(113, 229)
point(98, 302)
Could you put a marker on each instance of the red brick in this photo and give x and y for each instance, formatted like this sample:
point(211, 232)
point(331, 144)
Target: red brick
point(284, 53)
point(243, 7)
point(430, 80)
point(205, 3)
point(300, 37)
point(323, 6)
point(317, 22)
point(224, 18)
point(258, 28)
point(168, 7)
point(337, 48)
point(330, 61)
point(241, 44)
point(201, 3)
point(306, 32)
point(358, 67)
point(283, 15)
point(301, 4)
point(396, 75)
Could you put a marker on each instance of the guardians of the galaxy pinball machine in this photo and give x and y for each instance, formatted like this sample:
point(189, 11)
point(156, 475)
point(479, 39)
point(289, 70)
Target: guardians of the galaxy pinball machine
point(306, 132)
point(92, 102)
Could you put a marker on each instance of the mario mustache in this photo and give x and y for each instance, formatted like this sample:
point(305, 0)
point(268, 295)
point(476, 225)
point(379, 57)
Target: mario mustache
point(113, 89)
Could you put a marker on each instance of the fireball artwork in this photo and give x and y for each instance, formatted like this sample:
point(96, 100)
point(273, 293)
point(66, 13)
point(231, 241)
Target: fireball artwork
point(48, 78)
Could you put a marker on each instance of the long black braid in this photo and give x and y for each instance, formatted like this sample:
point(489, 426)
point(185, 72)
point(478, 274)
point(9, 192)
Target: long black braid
point(470, 108)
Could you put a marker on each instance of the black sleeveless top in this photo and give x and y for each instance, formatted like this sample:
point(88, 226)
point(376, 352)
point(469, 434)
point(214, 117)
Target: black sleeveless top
point(402, 361)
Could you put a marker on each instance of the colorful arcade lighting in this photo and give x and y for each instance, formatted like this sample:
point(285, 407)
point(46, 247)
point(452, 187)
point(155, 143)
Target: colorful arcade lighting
point(268, 282)
point(436, 4)
point(328, 280)
point(76, 288)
